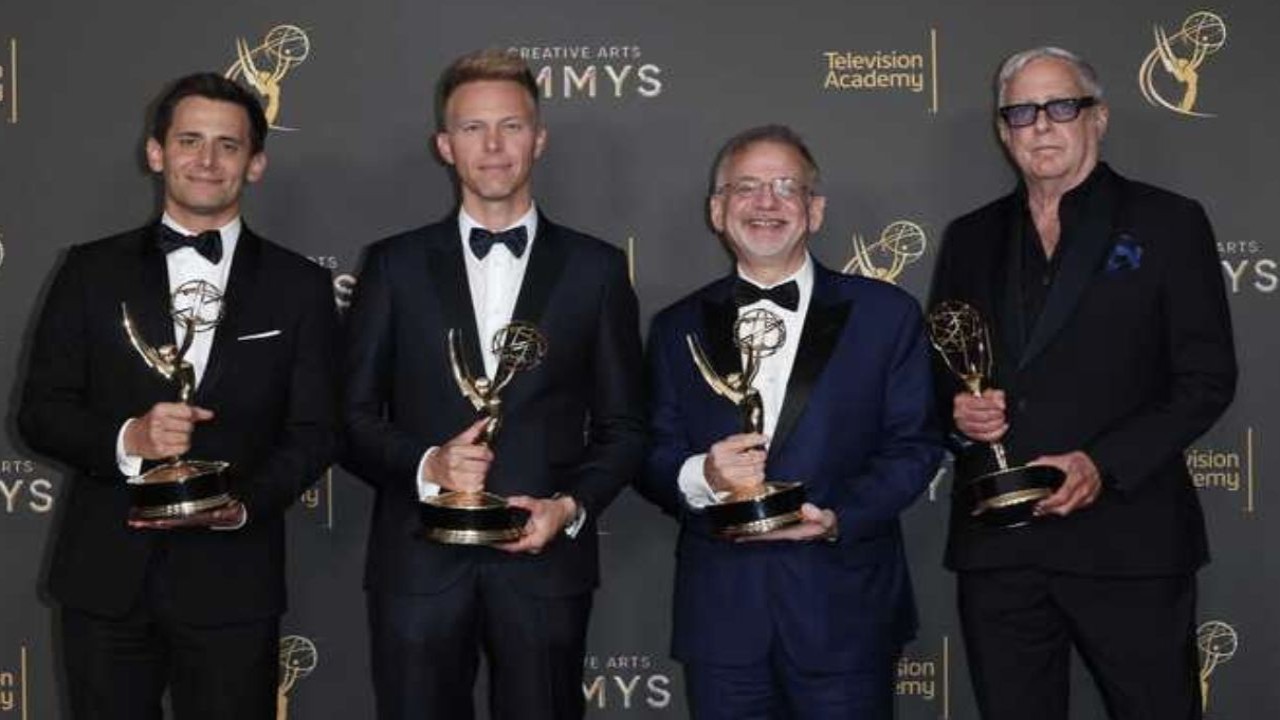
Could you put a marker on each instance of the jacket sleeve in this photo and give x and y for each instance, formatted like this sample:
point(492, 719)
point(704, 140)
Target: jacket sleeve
point(56, 417)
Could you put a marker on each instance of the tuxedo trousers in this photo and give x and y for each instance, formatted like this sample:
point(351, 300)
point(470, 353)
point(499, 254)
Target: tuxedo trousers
point(118, 668)
point(1136, 636)
point(426, 650)
point(775, 688)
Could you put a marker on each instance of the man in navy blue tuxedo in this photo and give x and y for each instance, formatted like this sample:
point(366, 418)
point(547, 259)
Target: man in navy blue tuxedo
point(805, 621)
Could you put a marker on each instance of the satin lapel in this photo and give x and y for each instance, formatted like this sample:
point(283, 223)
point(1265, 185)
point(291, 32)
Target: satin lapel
point(1082, 259)
point(237, 299)
point(1009, 326)
point(718, 316)
point(546, 262)
point(148, 300)
point(447, 269)
point(823, 324)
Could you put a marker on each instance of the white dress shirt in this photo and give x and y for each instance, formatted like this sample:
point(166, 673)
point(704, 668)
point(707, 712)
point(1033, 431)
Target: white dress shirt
point(770, 381)
point(495, 284)
point(185, 265)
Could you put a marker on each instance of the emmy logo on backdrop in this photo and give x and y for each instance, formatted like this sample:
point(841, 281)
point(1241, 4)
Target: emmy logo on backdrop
point(1180, 56)
point(178, 487)
point(901, 243)
point(298, 657)
point(1218, 643)
point(757, 334)
point(265, 65)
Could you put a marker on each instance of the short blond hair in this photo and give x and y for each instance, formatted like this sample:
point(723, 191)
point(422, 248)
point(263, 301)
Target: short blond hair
point(488, 64)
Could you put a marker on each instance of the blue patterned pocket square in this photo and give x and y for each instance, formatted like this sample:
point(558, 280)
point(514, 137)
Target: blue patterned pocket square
point(1126, 254)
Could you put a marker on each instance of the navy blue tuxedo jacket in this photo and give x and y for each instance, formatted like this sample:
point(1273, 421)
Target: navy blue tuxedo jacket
point(856, 427)
point(574, 424)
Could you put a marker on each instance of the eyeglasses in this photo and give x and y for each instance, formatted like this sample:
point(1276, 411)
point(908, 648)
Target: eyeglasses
point(784, 188)
point(1062, 110)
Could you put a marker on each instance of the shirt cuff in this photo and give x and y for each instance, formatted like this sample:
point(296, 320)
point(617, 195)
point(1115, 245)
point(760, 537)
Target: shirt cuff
point(129, 465)
point(426, 488)
point(693, 484)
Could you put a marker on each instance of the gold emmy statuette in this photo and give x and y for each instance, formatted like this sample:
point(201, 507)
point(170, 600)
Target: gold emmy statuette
point(179, 488)
point(483, 518)
point(1217, 642)
point(298, 657)
point(901, 243)
point(770, 505)
point(997, 493)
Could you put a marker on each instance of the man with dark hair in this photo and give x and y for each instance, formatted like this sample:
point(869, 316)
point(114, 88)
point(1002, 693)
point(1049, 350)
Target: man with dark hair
point(805, 621)
point(1112, 340)
point(573, 426)
point(211, 87)
point(189, 603)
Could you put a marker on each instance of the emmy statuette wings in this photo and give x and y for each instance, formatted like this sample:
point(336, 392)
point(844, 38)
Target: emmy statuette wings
point(995, 492)
point(483, 518)
point(757, 334)
point(178, 488)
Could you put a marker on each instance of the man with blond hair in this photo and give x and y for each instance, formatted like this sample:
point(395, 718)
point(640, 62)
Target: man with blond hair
point(572, 431)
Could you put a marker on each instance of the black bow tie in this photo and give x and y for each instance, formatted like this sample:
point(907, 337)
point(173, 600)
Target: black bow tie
point(786, 295)
point(207, 243)
point(482, 241)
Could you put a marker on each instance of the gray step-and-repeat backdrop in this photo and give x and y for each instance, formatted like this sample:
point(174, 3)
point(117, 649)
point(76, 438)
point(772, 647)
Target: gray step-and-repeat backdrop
point(894, 98)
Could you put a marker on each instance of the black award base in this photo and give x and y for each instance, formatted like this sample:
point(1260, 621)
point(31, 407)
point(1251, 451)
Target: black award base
point(455, 518)
point(777, 505)
point(1007, 498)
point(178, 490)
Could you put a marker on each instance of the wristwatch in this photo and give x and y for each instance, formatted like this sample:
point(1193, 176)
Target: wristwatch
point(574, 526)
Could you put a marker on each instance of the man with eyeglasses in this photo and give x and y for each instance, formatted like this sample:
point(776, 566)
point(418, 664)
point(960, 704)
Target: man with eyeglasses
point(1113, 349)
point(807, 620)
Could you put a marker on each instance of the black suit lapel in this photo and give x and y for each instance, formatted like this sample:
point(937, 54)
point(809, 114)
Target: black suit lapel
point(546, 262)
point(718, 316)
point(1082, 258)
point(237, 299)
point(1009, 329)
point(447, 269)
point(823, 324)
point(148, 300)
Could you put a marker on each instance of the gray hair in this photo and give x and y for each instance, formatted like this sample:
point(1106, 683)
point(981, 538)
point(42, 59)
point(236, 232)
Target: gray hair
point(1085, 74)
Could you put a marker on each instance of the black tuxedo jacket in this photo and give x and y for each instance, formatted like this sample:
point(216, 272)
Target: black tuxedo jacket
point(574, 424)
point(275, 421)
point(1131, 359)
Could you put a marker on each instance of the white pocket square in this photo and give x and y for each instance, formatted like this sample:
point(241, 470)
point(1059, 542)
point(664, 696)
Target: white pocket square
point(259, 336)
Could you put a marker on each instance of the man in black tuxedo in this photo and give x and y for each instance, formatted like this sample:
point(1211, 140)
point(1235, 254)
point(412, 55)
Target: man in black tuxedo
point(193, 604)
point(572, 431)
point(1113, 347)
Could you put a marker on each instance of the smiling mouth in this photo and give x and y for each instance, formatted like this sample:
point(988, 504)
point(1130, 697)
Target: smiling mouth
point(767, 223)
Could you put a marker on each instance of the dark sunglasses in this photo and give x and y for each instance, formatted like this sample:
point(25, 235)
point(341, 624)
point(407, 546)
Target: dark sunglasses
point(1062, 110)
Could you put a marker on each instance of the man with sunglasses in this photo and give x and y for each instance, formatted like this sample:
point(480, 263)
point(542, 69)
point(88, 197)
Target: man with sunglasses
point(807, 620)
point(1113, 351)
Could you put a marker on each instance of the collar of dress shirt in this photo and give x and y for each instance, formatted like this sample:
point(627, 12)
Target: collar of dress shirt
point(804, 283)
point(230, 235)
point(529, 220)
